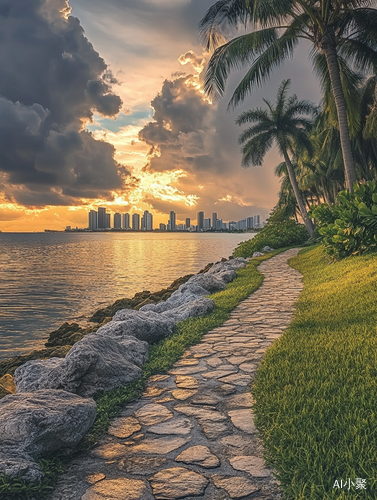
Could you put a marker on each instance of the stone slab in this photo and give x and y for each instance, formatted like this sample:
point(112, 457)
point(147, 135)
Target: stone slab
point(243, 420)
point(124, 427)
point(150, 414)
point(177, 482)
point(177, 425)
point(236, 486)
point(199, 455)
point(254, 466)
point(116, 489)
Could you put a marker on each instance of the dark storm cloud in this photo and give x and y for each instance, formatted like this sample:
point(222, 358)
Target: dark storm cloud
point(51, 81)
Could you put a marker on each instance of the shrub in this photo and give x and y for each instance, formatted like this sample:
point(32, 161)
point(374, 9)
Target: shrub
point(279, 232)
point(350, 227)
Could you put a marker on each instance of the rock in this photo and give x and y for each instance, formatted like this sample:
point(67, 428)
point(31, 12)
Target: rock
point(110, 451)
point(177, 425)
point(201, 413)
point(124, 427)
point(226, 276)
point(243, 420)
point(36, 424)
point(255, 466)
point(150, 414)
point(148, 326)
point(178, 482)
point(95, 478)
point(257, 254)
point(198, 307)
point(95, 363)
point(207, 281)
point(138, 299)
point(7, 385)
point(116, 489)
point(186, 382)
point(141, 465)
point(185, 293)
point(160, 446)
point(243, 400)
point(9, 365)
point(199, 455)
point(236, 486)
point(267, 249)
point(182, 394)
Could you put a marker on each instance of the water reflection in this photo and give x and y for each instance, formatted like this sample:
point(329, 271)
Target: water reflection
point(49, 278)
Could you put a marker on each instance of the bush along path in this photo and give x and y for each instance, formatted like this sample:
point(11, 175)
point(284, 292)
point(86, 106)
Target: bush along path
point(192, 433)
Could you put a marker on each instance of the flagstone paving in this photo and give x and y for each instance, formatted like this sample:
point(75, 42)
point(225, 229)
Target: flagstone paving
point(192, 433)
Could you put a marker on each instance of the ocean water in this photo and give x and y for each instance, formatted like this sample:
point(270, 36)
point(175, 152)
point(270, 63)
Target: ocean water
point(49, 278)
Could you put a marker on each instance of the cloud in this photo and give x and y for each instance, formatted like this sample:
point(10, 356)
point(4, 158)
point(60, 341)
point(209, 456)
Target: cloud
point(52, 81)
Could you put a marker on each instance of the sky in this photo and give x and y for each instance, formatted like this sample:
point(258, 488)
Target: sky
point(101, 104)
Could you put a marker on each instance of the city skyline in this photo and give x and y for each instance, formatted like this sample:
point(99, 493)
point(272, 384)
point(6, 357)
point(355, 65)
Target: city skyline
point(101, 220)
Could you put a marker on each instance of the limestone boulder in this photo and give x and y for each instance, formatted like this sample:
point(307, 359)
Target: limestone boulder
point(97, 362)
point(257, 254)
point(185, 293)
point(198, 307)
point(226, 276)
point(16, 463)
point(207, 281)
point(144, 325)
point(267, 249)
point(40, 423)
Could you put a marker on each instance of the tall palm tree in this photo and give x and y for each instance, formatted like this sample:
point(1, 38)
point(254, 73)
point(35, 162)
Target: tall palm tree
point(343, 34)
point(285, 125)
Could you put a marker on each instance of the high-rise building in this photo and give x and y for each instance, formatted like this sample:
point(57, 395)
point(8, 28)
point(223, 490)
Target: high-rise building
point(172, 221)
point(214, 220)
point(219, 224)
point(162, 227)
point(102, 220)
point(200, 220)
point(108, 221)
point(257, 221)
point(249, 222)
point(207, 224)
point(117, 221)
point(135, 222)
point(232, 225)
point(147, 221)
point(241, 224)
point(188, 223)
point(126, 221)
point(181, 227)
point(93, 220)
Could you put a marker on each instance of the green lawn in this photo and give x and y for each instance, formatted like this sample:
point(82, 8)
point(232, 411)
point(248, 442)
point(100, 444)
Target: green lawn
point(316, 389)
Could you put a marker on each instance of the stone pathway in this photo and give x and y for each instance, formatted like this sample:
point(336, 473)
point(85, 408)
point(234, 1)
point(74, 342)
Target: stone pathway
point(192, 433)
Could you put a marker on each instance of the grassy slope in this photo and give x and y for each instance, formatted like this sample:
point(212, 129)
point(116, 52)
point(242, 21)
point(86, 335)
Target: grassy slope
point(161, 358)
point(316, 390)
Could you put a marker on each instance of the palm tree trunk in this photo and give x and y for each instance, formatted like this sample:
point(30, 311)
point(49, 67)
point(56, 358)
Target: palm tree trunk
point(326, 193)
point(292, 177)
point(341, 108)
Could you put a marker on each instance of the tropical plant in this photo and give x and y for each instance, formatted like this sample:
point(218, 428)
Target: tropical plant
point(284, 124)
point(351, 227)
point(279, 232)
point(343, 34)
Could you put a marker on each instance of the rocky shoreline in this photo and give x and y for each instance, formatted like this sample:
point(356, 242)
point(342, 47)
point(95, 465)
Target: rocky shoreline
point(47, 403)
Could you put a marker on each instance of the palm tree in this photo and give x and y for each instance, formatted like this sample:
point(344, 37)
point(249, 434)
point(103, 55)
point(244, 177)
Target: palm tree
point(284, 124)
point(343, 34)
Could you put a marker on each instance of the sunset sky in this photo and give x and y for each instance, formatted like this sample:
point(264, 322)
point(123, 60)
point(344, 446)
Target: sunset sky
point(101, 105)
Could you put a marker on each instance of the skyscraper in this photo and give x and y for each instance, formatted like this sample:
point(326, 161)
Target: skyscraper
point(200, 220)
point(126, 221)
point(93, 220)
point(102, 220)
point(214, 219)
point(135, 222)
point(257, 221)
point(117, 221)
point(188, 223)
point(162, 227)
point(108, 221)
point(147, 221)
point(207, 224)
point(250, 222)
point(172, 221)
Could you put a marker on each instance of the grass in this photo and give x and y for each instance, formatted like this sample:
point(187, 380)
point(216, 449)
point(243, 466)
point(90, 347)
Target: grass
point(316, 389)
point(161, 358)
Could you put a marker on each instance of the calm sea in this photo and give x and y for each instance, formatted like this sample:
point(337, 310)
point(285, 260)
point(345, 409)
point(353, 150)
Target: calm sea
point(49, 278)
